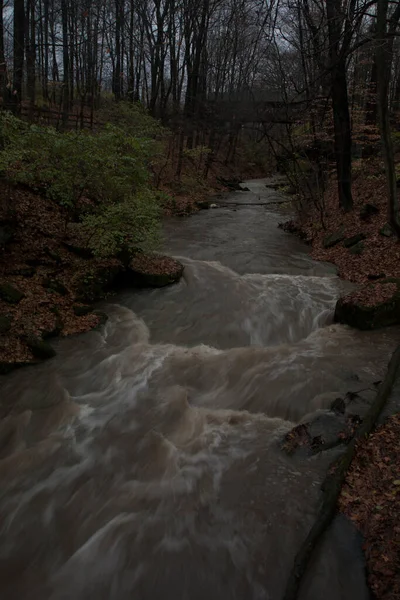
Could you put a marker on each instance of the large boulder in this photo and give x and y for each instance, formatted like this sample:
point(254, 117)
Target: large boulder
point(152, 271)
point(375, 305)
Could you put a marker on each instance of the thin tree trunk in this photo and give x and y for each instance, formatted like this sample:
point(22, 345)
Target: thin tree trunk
point(66, 63)
point(19, 39)
point(384, 57)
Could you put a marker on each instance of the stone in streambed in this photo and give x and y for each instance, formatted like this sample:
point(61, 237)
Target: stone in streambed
point(10, 294)
point(334, 238)
point(152, 271)
point(40, 348)
point(82, 310)
point(356, 313)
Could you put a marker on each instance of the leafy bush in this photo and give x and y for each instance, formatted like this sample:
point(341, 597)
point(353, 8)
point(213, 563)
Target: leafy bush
point(110, 168)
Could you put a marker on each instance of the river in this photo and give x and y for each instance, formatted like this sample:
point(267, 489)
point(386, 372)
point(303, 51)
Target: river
point(144, 461)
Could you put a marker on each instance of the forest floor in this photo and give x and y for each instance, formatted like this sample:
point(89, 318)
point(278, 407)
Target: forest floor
point(371, 494)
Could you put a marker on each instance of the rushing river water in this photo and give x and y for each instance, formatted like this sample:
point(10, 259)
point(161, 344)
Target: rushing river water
point(144, 461)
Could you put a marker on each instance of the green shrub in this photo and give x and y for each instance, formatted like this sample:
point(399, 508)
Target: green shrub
point(110, 168)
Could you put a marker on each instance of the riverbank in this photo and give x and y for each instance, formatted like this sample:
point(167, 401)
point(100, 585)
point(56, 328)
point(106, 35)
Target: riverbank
point(50, 280)
point(365, 251)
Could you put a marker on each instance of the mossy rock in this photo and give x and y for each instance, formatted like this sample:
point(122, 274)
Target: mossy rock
point(359, 316)
point(40, 348)
point(10, 294)
point(334, 238)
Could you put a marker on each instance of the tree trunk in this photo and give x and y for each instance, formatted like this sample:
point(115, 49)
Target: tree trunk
point(30, 55)
point(340, 105)
point(384, 57)
point(66, 63)
point(19, 39)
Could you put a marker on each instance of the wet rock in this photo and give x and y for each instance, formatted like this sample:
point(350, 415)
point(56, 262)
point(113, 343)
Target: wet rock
point(326, 429)
point(40, 348)
point(376, 276)
point(213, 205)
point(103, 318)
point(203, 204)
point(386, 230)
point(338, 406)
point(368, 211)
point(232, 184)
point(357, 248)
point(245, 189)
point(82, 309)
point(54, 285)
point(355, 314)
point(334, 238)
point(10, 294)
point(5, 324)
point(145, 275)
point(8, 367)
point(353, 240)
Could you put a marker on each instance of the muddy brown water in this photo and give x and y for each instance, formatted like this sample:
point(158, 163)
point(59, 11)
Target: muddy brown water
point(144, 461)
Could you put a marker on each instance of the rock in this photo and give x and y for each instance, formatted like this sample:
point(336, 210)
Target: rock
point(375, 277)
point(40, 348)
point(10, 294)
point(325, 430)
point(53, 285)
point(334, 238)
point(368, 211)
point(355, 314)
point(148, 275)
point(232, 184)
point(103, 318)
point(353, 240)
point(82, 310)
point(213, 205)
point(8, 367)
point(245, 189)
point(386, 230)
point(338, 406)
point(357, 248)
point(5, 324)
point(203, 204)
